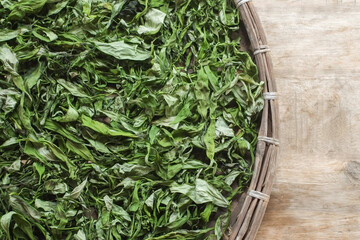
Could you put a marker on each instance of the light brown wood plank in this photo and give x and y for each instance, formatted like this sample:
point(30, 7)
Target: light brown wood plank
point(316, 53)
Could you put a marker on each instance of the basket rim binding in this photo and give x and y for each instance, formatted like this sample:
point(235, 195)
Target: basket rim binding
point(248, 211)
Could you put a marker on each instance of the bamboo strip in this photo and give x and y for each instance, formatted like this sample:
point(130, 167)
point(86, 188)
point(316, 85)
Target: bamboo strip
point(248, 212)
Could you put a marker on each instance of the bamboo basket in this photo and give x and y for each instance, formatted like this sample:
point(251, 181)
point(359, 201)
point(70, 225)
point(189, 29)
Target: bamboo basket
point(248, 209)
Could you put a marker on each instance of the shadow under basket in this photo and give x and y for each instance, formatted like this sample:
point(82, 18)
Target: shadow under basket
point(248, 209)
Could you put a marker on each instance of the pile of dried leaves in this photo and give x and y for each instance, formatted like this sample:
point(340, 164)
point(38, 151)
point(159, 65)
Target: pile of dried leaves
point(127, 119)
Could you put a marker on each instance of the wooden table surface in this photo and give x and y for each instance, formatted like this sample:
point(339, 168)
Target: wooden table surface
point(316, 53)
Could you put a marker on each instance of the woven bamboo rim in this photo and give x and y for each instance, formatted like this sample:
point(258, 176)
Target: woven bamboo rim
point(248, 210)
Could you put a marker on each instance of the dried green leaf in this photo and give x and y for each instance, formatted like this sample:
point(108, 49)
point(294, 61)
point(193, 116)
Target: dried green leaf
point(154, 19)
point(123, 51)
point(103, 129)
point(76, 192)
point(10, 62)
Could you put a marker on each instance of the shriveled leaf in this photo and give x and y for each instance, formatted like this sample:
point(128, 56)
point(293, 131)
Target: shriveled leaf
point(81, 150)
point(76, 192)
point(209, 140)
point(55, 187)
point(123, 51)
point(6, 221)
point(20, 205)
point(202, 93)
point(40, 169)
point(221, 223)
point(8, 34)
point(222, 129)
point(9, 142)
point(80, 235)
point(57, 7)
point(152, 133)
point(108, 202)
point(183, 114)
point(201, 193)
point(70, 116)
point(73, 88)
point(33, 75)
point(103, 129)
point(44, 34)
point(45, 205)
point(153, 22)
point(53, 126)
point(10, 62)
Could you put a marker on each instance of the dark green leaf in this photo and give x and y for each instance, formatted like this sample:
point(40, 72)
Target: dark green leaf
point(103, 129)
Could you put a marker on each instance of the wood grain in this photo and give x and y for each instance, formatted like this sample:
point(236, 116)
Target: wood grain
point(316, 54)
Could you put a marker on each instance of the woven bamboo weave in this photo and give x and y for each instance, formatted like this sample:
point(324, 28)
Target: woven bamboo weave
point(248, 210)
